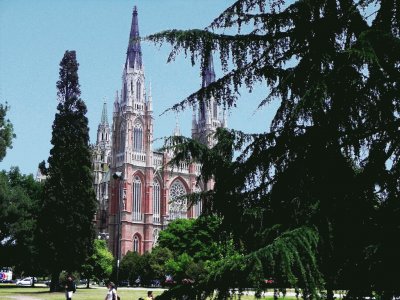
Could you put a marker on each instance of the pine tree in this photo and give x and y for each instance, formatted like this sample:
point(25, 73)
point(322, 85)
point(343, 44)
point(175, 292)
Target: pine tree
point(327, 171)
point(69, 205)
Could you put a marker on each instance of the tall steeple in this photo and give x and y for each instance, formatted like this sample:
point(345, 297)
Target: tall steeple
point(208, 74)
point(208, 119)
point(134, 52)
point(133, 91)
point(103, 130)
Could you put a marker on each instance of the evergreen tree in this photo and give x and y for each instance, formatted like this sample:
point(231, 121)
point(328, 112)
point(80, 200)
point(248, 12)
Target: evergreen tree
point(327, 171)
point(69, 205)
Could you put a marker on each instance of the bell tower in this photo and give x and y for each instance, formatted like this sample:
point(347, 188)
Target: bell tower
point(132, 155)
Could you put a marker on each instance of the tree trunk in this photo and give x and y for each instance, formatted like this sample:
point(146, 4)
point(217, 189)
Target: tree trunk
point(55, 281)
point(87, 283)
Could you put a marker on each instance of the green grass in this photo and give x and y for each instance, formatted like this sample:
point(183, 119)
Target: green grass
point(42, 293)
point(8, 291)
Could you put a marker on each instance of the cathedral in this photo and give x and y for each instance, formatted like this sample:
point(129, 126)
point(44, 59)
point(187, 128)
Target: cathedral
point(137, 195)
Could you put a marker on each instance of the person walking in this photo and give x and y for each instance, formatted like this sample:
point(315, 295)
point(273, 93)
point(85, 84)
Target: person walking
point(112, 292)
point(70, 288)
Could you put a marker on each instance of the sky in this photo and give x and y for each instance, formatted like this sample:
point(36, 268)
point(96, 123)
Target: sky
point(35, 34)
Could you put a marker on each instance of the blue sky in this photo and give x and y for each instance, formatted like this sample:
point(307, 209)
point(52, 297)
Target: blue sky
point(35, 34)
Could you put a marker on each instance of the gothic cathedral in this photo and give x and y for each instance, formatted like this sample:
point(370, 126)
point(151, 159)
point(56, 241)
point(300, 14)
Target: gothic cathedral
point(135, 193)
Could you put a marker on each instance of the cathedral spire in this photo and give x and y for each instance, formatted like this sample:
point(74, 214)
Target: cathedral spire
point(134, 53)
point(208, 74)
point(104, 118)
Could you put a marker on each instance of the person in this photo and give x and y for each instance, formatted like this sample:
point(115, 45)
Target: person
point(112, 292)
point(149, 295)
point(70, 288)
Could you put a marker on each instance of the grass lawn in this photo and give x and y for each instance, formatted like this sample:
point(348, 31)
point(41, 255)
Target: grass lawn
point(9, 291)
point(42, 293)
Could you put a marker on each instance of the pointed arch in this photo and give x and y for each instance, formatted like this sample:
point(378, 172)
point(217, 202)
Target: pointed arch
point(156, 201)
point(138, 137)
point(137, 196)
point(137, 241)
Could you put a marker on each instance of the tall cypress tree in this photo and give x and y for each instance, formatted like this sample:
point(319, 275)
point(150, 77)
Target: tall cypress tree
point(69, 206)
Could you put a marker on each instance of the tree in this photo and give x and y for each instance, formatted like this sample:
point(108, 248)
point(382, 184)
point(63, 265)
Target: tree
point(6, 131)
point(325, 177)
point(99, 265)
point(66, 220)
point(159, 256)
point(132, 267)
point(19, 199)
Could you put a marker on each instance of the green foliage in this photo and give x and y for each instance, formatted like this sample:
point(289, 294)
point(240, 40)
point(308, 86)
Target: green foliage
point(318, 193)
point(19, 198)
point(133, 266)
point(99, 265)
point(6, 131)
point(158, 258)
point(67, 211)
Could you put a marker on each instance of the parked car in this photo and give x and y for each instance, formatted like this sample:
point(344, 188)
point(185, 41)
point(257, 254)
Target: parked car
point(25, 281)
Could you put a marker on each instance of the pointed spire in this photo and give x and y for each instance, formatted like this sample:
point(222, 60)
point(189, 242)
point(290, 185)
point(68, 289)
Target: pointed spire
point(104, 118)
point(208, 74)
point(134, 53)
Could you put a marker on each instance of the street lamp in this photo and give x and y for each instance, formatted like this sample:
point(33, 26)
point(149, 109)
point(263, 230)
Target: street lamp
point(118, 176)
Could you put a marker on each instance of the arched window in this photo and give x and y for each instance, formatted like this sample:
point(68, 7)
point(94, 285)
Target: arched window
point(137, 199)
point(138, 137)
point(136, 244)
point(156, 233)
point(178, 204)
point(156, 202)
point(138, 90)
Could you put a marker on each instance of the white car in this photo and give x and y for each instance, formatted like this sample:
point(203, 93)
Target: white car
point(25, 281)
